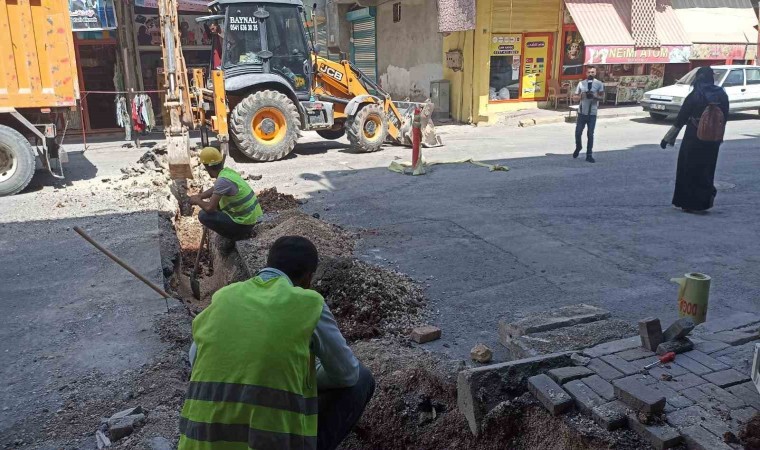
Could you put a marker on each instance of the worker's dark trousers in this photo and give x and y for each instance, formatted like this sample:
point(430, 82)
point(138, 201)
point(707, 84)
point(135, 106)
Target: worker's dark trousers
point(224, 225)
point(341, 409)
point(583, 121)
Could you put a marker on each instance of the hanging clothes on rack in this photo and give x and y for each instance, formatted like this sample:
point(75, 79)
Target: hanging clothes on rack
point(142, 113)
point(122, 116)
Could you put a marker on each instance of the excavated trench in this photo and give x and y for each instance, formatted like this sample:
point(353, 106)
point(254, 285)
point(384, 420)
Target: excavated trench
point(414, 406)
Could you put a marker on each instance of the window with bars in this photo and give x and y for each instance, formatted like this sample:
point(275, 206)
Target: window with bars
point(397, 12)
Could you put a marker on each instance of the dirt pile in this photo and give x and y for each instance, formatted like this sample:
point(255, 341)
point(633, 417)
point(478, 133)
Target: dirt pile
point(273, 201)
point(368, 301)
point(751, 435)
point(330, 240)
point(414, 407)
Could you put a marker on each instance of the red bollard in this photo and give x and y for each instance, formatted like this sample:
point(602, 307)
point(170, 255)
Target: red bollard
point(416, 137)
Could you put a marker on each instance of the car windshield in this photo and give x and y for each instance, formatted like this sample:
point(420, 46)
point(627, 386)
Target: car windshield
point(689, 77)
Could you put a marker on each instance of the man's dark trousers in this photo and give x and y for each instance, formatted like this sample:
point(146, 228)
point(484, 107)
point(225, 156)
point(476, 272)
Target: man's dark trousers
point(341, 409)
point(224, 225)
point(583, 121)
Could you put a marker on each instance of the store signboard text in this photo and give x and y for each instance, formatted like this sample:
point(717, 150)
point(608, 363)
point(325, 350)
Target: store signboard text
point(610, 54)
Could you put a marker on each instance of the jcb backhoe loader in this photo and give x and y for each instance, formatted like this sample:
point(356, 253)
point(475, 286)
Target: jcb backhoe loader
point(274, 84)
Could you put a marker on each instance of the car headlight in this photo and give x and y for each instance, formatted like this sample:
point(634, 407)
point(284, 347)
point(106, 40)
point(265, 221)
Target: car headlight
point(647, 96)
point(677, 100)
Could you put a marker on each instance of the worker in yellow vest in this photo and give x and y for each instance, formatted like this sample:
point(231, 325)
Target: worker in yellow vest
point(270, 368)
point(230, 207)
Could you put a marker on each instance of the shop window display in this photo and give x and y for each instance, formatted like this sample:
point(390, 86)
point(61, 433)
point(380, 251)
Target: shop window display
point(574, 51)
point(504, 77)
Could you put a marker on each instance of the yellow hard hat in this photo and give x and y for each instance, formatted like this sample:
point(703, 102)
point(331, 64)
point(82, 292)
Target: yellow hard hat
point(210, 156)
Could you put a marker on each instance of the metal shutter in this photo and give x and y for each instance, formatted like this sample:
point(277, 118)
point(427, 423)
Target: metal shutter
point(364, 46)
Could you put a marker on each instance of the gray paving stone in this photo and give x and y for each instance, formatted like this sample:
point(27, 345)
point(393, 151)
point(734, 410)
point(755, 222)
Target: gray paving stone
point(746, 392)
point(679, 346)
point(613, 347)
point(585, 398)
point(564, 374)
point(621, 365)
point(669, 393)
point(721, 395)
point(733, 337)
point(683, 382)
point(550, 394)
point(604, 370)
point(636, 353)
point(707, 399)
point(710, 346)
point(672, 369)
point(692, 366)
point(650, 333)
point(602, 387)
point(692, 415)
point(639, 396)
point(678, 402)
point(703, 359)
point(739, 357)
point(736, 320)
point(678, 329)
point(727, 378)
point(611, 415)
point(698, 438)
point(740, 417)
point(643, 378)
point(660, 436)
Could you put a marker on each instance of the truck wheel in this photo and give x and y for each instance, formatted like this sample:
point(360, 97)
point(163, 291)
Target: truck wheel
point(368, 130)
point(657, 117)
point(16, 161)
point(265, 125)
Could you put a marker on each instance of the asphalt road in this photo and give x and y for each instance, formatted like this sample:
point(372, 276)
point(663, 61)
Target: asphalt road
point(552, 231)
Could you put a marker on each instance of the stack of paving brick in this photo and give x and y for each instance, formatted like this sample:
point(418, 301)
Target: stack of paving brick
point(567, 328)
point(702, 399)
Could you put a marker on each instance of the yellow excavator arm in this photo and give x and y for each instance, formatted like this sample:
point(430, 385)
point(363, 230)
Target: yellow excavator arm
point(178, 112)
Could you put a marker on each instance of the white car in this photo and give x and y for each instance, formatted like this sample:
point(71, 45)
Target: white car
point(742, 84)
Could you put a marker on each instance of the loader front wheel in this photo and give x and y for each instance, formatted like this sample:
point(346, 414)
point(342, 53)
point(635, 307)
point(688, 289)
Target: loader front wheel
point(265, 125)
point(16, 161)
point(368, 130)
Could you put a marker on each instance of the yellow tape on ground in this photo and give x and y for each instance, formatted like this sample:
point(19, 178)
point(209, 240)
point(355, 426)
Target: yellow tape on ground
point(403, 167)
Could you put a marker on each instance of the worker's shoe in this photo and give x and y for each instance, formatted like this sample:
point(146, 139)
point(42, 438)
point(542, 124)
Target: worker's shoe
point(576, 153)
point(590, 159)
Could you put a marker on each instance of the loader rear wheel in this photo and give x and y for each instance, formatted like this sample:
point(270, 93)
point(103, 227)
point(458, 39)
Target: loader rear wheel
point(368, 130)
point(16, 161)
point(265, 125)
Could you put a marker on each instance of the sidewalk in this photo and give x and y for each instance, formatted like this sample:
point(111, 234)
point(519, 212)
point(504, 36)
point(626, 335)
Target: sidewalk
point(530, 117)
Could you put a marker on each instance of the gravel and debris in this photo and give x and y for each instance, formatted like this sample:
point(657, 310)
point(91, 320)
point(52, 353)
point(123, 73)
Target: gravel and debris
point(415, 407)
point(750, 436)
point(330, 240)
point(369, 301)
point(273, 201)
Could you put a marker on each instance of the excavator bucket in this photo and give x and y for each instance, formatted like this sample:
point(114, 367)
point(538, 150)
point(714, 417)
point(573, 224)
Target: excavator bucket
point(429, 137)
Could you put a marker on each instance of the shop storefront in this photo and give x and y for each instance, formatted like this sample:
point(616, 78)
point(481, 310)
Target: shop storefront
point(95, 43)
point(724, 33)
point(507, 60)
point(602, 34)
point(195, 38)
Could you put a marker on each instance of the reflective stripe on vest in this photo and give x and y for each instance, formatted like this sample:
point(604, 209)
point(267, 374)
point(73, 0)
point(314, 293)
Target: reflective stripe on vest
point(253, 383)
point(243, 207)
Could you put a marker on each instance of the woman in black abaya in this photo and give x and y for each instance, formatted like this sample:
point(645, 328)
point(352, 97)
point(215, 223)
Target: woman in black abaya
point(695, 190)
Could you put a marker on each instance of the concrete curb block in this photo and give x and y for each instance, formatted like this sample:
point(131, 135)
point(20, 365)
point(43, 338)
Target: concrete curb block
point(482, 388)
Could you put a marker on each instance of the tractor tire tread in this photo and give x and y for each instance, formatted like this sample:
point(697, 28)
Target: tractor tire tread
point(355, 134)
point(242, 129)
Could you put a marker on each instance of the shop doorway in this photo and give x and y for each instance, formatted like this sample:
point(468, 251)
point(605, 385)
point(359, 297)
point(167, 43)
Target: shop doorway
point(97, 68)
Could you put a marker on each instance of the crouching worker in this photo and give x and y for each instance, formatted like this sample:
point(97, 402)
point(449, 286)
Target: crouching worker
point(230, 207)
point(270, 368)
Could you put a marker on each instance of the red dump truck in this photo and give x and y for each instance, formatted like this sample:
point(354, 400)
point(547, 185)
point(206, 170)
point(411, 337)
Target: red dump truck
point(38, 83)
